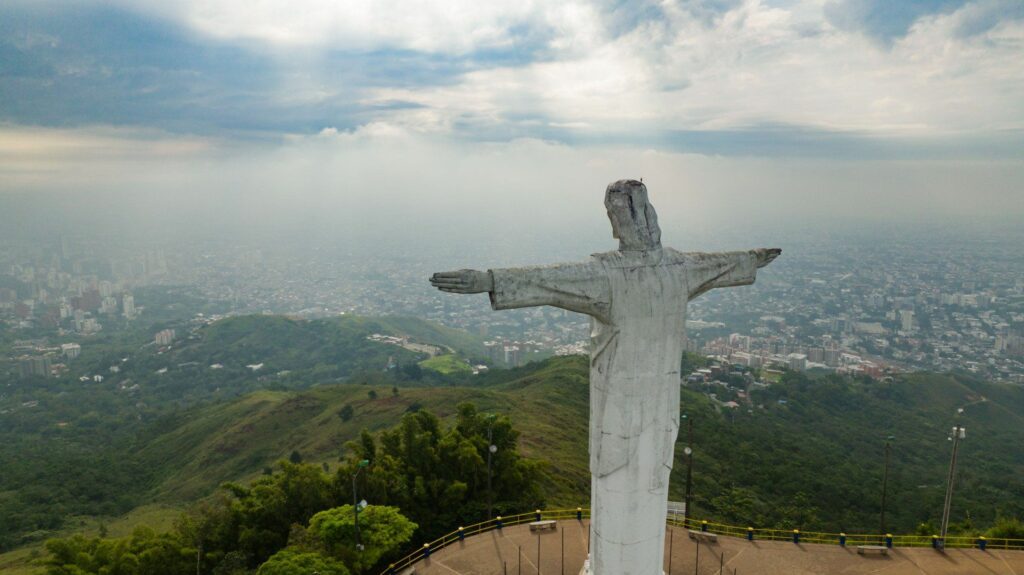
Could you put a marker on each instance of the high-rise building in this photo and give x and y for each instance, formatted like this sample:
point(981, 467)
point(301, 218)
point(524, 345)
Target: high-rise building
point(816, 354)
point(71, 350)
point(34, 366)
point(906, 320)
point(164, 337)
point(128, 305)
point(513, 356)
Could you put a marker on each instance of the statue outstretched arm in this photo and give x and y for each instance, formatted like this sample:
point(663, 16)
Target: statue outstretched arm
point(578, 287)
point(727, 269)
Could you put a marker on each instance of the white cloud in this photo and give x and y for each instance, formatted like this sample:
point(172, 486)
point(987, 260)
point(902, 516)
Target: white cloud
point(452, 26)
point(756, 64)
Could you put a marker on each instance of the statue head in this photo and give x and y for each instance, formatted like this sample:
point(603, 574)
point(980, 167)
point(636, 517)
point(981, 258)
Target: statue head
point(634, 221)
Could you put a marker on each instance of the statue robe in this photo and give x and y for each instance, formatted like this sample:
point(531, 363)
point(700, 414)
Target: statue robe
point(637, 304)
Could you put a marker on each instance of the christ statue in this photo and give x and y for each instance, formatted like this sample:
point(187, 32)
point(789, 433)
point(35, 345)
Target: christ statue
point(636, 298)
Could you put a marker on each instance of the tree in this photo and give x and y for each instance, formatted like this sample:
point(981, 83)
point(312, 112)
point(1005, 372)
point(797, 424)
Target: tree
point(144, 553)
point(297, 562)
point(1006, 528)
point(438, 477)
point(295, 457)
point(346, 412)
point(382, 531)
point(372, 394)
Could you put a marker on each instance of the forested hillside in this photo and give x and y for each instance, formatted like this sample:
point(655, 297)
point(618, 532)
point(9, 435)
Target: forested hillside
point(804, 452)
point(68, 444)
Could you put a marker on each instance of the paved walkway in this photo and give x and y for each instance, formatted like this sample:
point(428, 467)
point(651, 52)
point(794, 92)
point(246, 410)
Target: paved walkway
point(514, 551)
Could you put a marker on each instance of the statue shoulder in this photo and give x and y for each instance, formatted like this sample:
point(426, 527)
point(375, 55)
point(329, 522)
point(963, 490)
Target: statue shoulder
point(674, 256)
point(606, 257)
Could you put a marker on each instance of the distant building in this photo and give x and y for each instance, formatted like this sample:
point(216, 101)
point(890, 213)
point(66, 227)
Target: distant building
point(906, 320)
point(90, 325)
point(34, 366)
point(128, 305)
point(513, 356)
point(109, 305)
point(495, 351)
point(797, 361)
point(71, 350)
point(164, 337)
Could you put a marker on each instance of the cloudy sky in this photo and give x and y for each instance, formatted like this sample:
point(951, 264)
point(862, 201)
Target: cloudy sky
point(814, 108)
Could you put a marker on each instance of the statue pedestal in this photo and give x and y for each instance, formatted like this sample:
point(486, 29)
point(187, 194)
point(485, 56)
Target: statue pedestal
point(586, 568)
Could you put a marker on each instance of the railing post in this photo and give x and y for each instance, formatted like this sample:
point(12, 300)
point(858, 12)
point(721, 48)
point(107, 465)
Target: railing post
point(888, 540)
point(796, 536)
point(982, 543)
point(750, 533)
point(842, 539)
point(462, 533)
point(704, 525)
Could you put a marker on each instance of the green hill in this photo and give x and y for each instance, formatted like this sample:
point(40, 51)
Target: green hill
point(805, 452)
point(814, 461)
point(197, 450)
point(67, 444)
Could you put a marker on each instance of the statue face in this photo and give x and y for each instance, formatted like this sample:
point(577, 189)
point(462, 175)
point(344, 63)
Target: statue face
point(634, 221)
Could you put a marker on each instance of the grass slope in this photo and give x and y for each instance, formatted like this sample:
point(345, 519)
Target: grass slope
point(446, 364)
point(199, 449)
point(813, 462)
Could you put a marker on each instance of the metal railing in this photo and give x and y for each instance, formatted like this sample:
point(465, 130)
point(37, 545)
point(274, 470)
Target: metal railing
point(750, 533)
point(498, 522)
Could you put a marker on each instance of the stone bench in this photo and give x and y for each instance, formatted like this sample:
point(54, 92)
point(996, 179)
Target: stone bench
point(865, 549)
point(705, 536)
point(542, 525)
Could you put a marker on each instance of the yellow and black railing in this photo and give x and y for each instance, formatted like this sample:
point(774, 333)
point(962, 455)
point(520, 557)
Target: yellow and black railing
point(750, 533)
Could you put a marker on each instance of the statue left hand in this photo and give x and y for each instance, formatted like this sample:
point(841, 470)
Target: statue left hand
point(766, 256)
point(463, 281)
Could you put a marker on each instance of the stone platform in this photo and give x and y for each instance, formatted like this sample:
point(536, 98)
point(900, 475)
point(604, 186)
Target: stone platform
point(514, 551)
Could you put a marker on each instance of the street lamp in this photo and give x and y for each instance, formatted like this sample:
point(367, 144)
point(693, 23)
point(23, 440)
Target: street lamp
point(688, 450)
point(491, 450)
point(885, 478)
point(357, 505)
point(959, 432)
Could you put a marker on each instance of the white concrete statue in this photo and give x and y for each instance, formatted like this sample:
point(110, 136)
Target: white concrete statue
point(636, 298)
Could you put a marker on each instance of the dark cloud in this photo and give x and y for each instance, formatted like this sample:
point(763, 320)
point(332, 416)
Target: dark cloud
point(88, 64)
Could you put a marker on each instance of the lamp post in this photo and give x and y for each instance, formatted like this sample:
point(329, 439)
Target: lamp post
point(885, 479)
point(688, 450)
point(959, 432)
point(356, 504)
point(491, 450)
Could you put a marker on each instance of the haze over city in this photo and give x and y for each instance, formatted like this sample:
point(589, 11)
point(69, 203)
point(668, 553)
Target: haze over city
point(357, 118)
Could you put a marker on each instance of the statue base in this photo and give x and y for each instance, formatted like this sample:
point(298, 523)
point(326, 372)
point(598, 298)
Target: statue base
point(586, 567)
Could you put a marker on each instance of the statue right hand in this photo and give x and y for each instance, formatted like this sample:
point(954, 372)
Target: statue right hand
point(463, 281)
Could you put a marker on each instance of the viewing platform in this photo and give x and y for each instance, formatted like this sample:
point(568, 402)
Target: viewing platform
point(518, 548)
